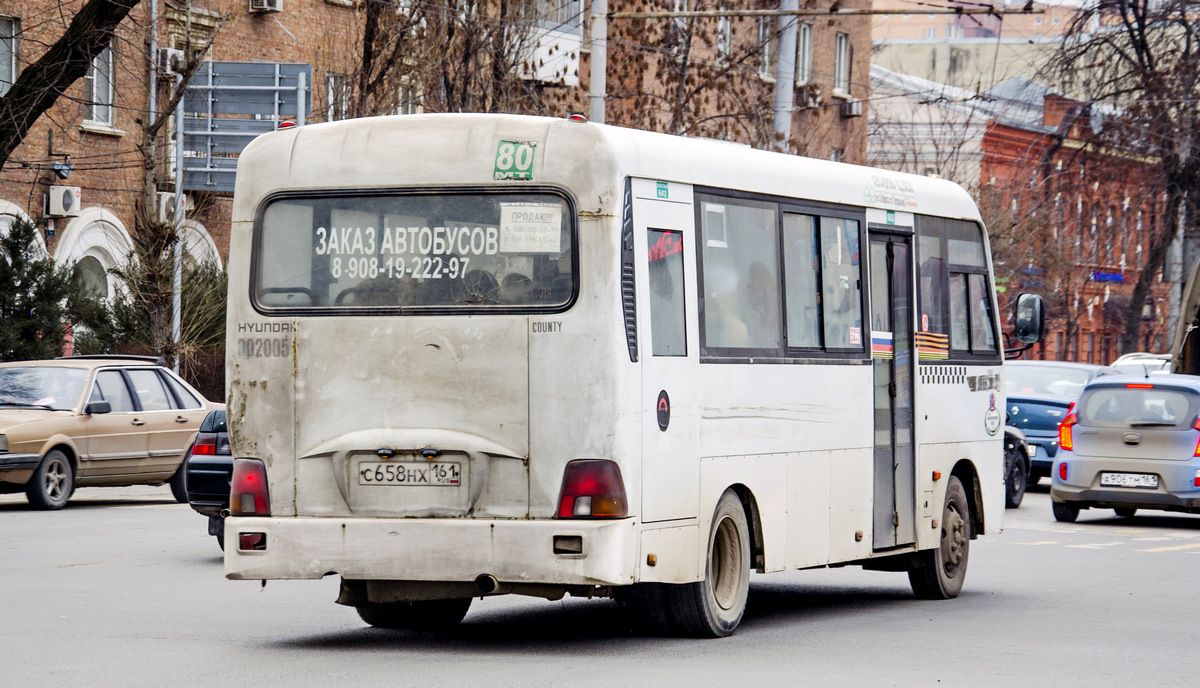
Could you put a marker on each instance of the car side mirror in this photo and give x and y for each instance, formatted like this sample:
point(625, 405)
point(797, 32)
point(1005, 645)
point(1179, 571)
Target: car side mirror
point(1030, 316)
point(95, 407)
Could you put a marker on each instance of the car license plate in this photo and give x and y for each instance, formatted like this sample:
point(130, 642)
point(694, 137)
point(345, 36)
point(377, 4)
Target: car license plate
point(412, 473)
point(1128, 480)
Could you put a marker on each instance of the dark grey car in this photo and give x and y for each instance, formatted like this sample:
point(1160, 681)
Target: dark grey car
point(1131, 442)
point(1038, 395)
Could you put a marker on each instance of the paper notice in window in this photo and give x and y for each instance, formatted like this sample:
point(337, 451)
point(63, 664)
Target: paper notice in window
point(530, 227)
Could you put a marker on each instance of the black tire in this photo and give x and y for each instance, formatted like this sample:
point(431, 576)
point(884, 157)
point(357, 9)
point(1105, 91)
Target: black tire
point(426, 615)
point(1125, 511)
point(713, 607)
point(647, 605)
point(941, 571)
point(178, 483)
point(1017, 480)
point(52, 483)
point(221, 540)
point(1065, 512)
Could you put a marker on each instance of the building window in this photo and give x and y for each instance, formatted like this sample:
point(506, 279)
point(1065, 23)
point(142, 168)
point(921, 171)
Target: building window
point(841, 64)
point(8, 53)
point(560, 15)
point(931, 32)
point(767, 46)
point(337, 96)
point(410, 98)
point(804, 54)
point(679, 25)
point(724, 36)
point(98, 89)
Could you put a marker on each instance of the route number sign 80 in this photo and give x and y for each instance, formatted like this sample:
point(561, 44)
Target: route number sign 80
point(514, 160)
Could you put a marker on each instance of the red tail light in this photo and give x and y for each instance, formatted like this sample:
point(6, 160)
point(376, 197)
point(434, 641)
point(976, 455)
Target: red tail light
point(1063, 471)
point(1065, 440)
point(1196, 479)
point(592, 488)
point(1139, 386)
point(206, 444)
point(248, 494)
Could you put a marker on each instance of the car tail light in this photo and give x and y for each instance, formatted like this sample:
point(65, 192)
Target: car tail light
point(1063, 471)
point(1065, 440)
point(1196, 479)
point(592, 488)
point(248, 494)
point(1139, 386)
point(205, 445)
point(1196, 426)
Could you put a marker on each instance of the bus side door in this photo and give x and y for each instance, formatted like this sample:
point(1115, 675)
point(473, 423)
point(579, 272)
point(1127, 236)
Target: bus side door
point(893, 360)
point(663, 223)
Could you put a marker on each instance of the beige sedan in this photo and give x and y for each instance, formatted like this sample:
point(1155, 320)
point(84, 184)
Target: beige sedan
point(90, 421)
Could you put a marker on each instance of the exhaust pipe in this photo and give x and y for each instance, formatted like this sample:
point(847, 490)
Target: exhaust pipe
point(487, 583)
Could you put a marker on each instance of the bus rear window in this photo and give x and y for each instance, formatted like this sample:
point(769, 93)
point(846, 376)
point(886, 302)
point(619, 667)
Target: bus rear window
point(435, 251)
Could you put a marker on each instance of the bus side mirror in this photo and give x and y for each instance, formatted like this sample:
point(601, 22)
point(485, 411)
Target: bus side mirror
point(1030, 318)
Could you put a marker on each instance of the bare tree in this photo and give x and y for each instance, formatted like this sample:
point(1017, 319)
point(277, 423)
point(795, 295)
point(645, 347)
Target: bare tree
point(694, 76)
point(468, 56)
point(1142, 59)
point(67, 61)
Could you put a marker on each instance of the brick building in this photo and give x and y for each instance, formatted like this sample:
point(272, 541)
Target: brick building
point(80, 174)
point(1072, 220)
point(1068, 218)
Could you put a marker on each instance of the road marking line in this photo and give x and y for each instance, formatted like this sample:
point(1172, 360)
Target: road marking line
point(1176, 548)
point(1096, 545)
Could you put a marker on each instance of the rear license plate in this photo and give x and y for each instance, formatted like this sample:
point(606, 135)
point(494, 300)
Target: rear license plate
point(1128, 480)
point(422, 473)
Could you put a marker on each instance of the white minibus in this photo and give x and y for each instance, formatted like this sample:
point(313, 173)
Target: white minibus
point(473, 354)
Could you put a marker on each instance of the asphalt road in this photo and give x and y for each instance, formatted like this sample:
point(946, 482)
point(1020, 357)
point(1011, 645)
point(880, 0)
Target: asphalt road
point(125, 588)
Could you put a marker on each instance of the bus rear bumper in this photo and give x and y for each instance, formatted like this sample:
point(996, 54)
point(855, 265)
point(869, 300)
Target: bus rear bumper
point(457, 550)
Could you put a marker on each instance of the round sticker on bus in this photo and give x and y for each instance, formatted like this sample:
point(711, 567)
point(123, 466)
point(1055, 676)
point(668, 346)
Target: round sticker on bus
point(664, 410)
point(991, 417)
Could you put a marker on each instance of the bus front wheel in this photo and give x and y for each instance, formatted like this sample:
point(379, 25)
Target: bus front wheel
point(940, 572)
point(713, 607)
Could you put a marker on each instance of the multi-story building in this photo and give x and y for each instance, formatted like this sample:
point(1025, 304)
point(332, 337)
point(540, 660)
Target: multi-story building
point(974, 51)
point(83, 171)
point(1068, 218)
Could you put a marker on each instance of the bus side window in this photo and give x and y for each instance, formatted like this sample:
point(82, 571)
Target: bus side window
point(801, 257)
point(668, 332)
point(840, 285)
point(972, 323)
point(740, 276)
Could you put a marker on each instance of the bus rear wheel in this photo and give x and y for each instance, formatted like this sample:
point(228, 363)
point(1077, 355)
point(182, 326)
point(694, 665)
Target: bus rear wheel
point(713, 607)
point(940, 573)
point(424, 615)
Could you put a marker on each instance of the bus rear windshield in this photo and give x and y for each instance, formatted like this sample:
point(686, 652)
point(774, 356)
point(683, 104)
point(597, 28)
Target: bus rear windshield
point(425, 251)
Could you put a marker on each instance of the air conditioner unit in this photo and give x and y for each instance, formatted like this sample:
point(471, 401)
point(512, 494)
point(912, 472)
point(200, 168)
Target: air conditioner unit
point(170, 60)
point(64, 201)
point(166, 205)
point(266, 5)
point(851, 107)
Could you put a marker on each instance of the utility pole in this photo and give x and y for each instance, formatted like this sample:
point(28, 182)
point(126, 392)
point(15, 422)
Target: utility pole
point(597, 86)
point(785, 76)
